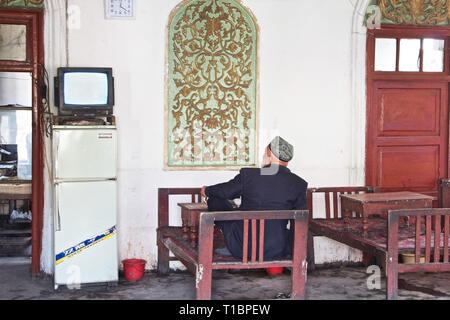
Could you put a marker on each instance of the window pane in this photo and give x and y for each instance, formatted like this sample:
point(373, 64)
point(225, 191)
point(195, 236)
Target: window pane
point(409, 55)
point(433, 55)
point(15, 133)
point(16, 89)
point(13, 42)
point(385, 54)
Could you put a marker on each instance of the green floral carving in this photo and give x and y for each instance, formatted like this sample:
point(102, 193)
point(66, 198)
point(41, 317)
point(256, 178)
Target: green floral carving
point(22, 3)
point(412, 12)
point(212, 89)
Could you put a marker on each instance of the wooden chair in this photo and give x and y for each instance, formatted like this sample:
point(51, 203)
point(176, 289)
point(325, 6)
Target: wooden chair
point(201, 260)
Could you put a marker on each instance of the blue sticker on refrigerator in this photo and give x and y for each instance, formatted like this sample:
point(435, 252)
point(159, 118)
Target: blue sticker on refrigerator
point(70, 252)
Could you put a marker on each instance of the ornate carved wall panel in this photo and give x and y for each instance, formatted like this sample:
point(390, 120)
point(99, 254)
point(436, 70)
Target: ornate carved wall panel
point(212, 86)
point(22, 3)
point(414, 12)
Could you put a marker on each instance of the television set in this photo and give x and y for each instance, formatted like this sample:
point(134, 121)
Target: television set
point(84, 91)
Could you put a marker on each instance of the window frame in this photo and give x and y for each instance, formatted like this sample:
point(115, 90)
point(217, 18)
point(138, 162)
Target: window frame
point(407, 32)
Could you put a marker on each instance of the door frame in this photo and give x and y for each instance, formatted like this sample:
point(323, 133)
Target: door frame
point(397, 31)
point(34, 20)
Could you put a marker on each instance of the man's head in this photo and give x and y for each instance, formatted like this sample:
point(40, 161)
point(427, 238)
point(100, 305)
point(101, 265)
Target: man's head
point(279, 151)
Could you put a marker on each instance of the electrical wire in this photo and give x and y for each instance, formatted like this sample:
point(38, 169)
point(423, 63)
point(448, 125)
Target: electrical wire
point(47, 120)
point(46, 114)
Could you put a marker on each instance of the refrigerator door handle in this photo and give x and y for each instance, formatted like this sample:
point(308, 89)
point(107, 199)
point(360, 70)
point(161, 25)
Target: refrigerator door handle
point(58, 224)
point(57, 215)
point(56, 156)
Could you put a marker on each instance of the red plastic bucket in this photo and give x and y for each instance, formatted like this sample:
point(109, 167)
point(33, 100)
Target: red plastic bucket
point(133, 269)
point(274, 271)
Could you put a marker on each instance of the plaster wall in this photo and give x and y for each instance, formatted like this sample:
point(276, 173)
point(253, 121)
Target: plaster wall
point(310, 68)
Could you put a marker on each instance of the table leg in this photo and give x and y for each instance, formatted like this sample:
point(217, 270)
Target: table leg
point(365, 223)
point(185, 228)
point(346, 215)
point(194, 235)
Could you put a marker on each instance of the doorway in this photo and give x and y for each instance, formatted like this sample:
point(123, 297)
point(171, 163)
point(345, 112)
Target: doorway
point(21, 79)
point(407, 138)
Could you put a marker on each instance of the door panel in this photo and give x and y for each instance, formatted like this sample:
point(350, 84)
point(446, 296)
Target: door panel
point(418, 175)
point(409, 112)
point(407, 145)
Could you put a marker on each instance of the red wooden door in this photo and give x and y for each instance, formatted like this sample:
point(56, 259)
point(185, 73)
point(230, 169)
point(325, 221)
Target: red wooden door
point(33, 19)
point(408, 135)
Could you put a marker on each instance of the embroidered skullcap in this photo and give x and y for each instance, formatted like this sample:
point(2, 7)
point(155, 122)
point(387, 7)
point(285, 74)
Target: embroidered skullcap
point(282, 149)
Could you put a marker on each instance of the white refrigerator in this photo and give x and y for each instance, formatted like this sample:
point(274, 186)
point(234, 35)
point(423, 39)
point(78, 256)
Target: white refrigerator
point(85, 237)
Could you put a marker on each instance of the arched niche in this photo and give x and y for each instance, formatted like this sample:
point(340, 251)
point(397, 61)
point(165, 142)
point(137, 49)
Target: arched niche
point(212, 86)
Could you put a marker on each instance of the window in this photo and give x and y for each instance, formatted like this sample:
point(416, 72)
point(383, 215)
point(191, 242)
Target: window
point(433, 55)
point(13, 42)
point(15, 125)
point(385, 54)
point(409, 55)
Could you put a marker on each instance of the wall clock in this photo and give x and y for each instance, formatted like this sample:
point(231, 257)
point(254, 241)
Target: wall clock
point(119, 9)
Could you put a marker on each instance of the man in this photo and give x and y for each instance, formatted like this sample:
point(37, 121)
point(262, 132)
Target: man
point(273, 187)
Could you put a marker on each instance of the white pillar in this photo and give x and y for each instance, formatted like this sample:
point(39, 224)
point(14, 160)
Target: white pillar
point(55, 51)
point(358, 104)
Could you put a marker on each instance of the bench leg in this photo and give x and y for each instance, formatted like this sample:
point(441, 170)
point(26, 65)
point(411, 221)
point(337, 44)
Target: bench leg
point(163, 259)
point(392, 258)
point(299, 257)
point(391, 281)
point(203, 276)
point(203, 282)
point(368, 259)
point(298, 275)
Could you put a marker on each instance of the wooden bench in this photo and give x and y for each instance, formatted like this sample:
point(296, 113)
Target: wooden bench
point(330, 199)
point(201, 259)
point(431, 239)
point(401, 232)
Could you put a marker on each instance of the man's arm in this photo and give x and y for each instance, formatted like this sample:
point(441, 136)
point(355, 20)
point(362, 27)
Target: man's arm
point(301, 203)
point(228, 190)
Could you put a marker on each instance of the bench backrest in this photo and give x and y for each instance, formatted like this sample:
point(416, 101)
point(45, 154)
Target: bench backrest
point(444, 193)
point(164, 198)
point(432, 228)
point(329, 198)
point(254, 220)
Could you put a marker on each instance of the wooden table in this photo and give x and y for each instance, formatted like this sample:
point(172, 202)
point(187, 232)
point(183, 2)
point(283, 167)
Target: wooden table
point(368, 204)
point(190, 216)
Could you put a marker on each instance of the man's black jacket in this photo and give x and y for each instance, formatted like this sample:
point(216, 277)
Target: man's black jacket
point(269, 188)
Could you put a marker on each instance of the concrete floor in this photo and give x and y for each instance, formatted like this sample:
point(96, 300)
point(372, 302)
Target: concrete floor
point(340, 283)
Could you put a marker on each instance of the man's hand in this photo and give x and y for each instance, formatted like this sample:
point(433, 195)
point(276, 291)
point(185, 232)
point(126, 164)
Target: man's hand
point(203, 192)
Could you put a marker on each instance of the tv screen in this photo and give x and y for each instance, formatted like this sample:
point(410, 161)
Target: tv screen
point(84, 91)
point(85, 88)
